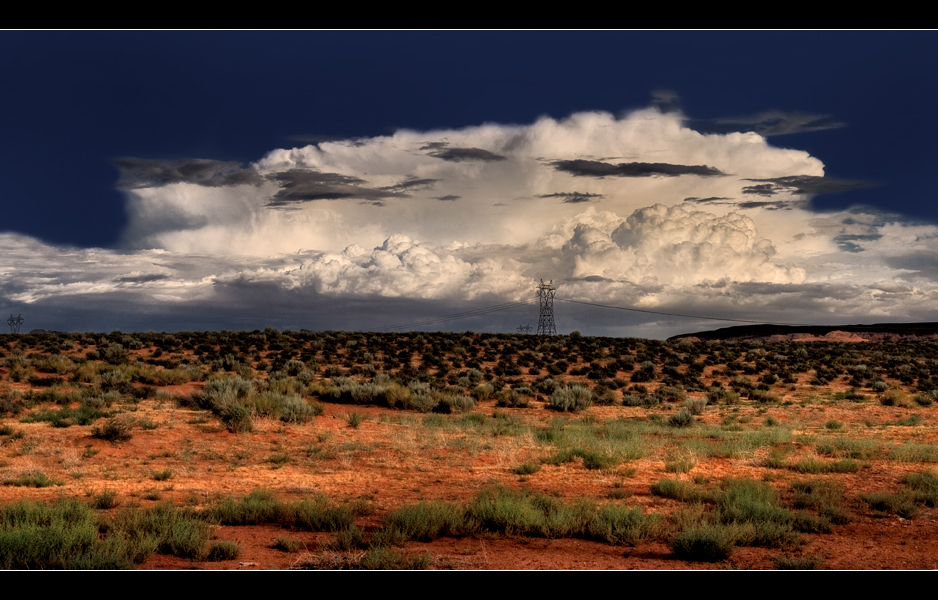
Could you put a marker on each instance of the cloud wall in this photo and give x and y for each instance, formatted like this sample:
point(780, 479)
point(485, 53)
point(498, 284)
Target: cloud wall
point(637, 210)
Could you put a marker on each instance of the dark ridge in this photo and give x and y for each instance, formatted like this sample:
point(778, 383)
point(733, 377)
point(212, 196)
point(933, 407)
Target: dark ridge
point(760, 331)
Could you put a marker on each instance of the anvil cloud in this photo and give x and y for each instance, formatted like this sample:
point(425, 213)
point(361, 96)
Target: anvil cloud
point(637, 210)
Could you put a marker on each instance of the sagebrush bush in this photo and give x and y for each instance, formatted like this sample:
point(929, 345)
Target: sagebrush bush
point(695, 406)
point(683, 418)
point(572, 398)
point(706, 543)
point(236, 417)
point(114, 430)
point(722, 395)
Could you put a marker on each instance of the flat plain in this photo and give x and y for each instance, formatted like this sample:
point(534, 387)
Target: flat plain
point(335, 450)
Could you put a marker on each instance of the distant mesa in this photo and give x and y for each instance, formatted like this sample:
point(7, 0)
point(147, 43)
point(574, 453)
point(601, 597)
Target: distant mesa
point(47, 332)
point(876, 332)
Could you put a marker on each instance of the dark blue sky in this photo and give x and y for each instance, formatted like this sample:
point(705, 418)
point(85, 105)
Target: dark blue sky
point(76, 100)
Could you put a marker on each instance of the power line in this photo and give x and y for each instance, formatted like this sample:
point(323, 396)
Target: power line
point(541, 299)
point(670, 314)
point(457, 316)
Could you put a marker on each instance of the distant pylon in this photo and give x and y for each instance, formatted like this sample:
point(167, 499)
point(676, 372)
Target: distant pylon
point(545, 323)
point(524, 329)
point(14, 323)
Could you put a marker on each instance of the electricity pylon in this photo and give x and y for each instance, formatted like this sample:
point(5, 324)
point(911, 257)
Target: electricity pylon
point(14, 323)
point(545, 322)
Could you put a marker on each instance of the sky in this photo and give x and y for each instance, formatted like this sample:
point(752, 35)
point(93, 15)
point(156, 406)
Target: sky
point(664, 182)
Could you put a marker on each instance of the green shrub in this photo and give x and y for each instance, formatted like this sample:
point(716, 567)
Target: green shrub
point(350, 538)
point(294, 409)
point(483, 392)
point(66, 416)
point(892, 397)
point(165, 529)
point(105, 500)
point(798, 563)
point(762, 521)
point(223, 550)
point(355, 419)
point(257, 508)
point(706, 543)
point(763, 396)
point(900, 503)
point(318, 514)
point(825, 496)
point(722, 395)
point(640, 400)
point(37, 480)
point(527, 469)
point(288, 544)
point(811, 465)
point(680, 465)
point(115, 354)
point(382, 558)
point(852, 395)
point(114, 430)
point(513, 513)
point(683, 418)
point(421, 402)
point(679, 490)
point(425, 522)
point(236, 417)
point(60, 535)
point(925, 486)
point(592, 459)
point(912, 420)
point(572, 398)
point(616, 524)
point(671, 394)
point(8, 430)
point(511, 398)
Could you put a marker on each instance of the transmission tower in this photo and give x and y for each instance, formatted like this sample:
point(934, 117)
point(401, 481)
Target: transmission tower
point(545, 323)
point(524, 329)
point(14, 323)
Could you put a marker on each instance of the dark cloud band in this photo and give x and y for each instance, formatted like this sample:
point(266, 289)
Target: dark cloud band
point(467, 154)
point(138, 173)
point(802, 184)
point(572, 197)
point(302, 185)
point(767, 123)
point(594, 168)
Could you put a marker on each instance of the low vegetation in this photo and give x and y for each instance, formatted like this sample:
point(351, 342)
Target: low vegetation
point(510, 413)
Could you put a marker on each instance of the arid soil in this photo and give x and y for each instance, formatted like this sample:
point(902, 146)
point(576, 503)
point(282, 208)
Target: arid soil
point(396, 457)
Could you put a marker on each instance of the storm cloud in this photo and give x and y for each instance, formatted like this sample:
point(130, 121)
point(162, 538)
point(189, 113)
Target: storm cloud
point(371, 221)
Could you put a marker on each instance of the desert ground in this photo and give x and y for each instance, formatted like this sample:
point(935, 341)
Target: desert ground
point(341, 450)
